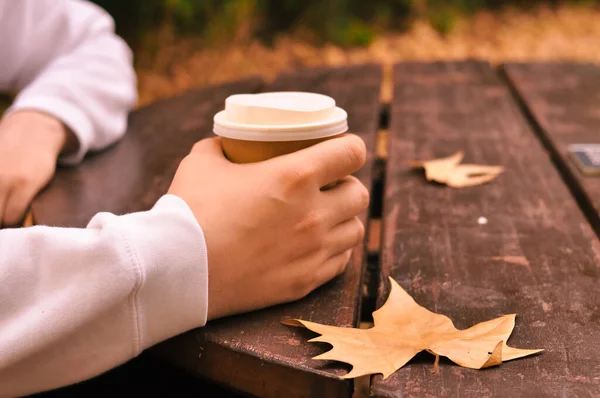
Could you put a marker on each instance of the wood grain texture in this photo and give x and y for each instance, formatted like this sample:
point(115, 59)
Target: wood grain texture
point(537, 256)
point(254, 353)
point(564, 101)
point(134, 173)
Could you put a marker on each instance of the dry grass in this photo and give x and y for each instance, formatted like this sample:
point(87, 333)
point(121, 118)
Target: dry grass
point(570, 33)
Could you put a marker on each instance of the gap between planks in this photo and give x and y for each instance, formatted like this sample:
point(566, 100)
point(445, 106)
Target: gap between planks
point(373, 244)
point(362, 385)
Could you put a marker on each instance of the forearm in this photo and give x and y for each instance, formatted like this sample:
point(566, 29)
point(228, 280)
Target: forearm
point(75, 303)
point(72, 66)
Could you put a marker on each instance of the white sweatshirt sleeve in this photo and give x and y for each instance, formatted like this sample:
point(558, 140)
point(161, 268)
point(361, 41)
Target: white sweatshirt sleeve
point(77, 302)
point(63, 58)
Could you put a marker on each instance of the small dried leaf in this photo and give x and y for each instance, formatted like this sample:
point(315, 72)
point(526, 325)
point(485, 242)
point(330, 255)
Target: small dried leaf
point(439, 169)
point(468, 175)
point(402, 328)
point(449, 171)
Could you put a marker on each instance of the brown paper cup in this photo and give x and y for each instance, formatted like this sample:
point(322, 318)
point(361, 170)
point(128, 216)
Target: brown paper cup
point(258, 127)
point(240, 151)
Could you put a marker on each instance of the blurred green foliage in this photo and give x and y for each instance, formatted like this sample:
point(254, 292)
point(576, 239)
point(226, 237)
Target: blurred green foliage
point(343, 22)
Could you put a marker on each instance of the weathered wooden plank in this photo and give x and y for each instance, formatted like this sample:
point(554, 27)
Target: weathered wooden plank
point(133, 174)
point(537, 256)
point(254, 353)
point(563, 99)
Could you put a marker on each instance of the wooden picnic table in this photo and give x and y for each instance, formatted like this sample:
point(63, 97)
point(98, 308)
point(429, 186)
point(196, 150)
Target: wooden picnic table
point(538, 255)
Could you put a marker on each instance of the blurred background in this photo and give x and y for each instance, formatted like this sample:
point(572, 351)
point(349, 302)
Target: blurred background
point(181, 44)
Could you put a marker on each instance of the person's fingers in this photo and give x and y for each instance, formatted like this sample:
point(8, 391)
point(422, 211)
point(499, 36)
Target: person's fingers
point(326, 162)
point(346, 235)
point(311, 272)
point(345, 200)
point(17, 203)
point(334, 266)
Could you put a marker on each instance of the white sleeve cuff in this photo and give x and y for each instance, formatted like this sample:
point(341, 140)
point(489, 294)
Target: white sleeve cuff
point(168, 245)
point(69, 114)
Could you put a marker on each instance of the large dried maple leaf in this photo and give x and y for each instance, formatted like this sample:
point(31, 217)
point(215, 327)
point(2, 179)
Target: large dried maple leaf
point(403, 328)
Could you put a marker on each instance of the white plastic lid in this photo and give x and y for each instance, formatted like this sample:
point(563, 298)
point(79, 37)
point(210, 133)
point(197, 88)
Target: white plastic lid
point(280, 116)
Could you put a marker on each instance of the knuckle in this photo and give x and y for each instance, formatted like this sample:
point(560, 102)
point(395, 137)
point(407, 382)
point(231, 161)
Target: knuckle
point(301, 288)
point(349, 254)
point(312, 221)
point(295, 177)
point(364, 197)
point(360, 231)
point(359, 195)
point(356, 151)
point(309, 287)
point(344, 263)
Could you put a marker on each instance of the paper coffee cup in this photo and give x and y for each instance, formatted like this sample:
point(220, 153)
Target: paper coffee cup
point(257, 127)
